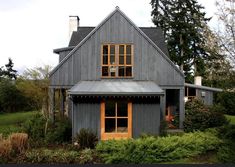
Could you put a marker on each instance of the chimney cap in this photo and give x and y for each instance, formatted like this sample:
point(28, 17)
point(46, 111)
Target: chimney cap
point(75, 16)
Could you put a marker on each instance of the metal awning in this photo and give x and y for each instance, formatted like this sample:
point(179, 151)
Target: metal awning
point(106, 87)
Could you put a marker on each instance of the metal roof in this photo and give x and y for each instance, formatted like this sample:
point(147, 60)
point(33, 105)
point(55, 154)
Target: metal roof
point(203, 87)
point(106, 87)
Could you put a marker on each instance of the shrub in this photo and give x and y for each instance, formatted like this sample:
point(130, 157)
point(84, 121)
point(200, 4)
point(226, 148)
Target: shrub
point(227, 132)
point(35, 127)
point(227, 101)
point(5, 148)
point(19, 142)
point(60, 132)
point(86, 138)
point(86, 156)
point(42, 131)
point(156, 150)
point(51, 156)
point(200, 117)
point(226, 153)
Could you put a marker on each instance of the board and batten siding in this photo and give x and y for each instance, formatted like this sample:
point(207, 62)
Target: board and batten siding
point(145, 119)
point(208, 98)
point(86, 115)
point(85, 62)
point(63, 54)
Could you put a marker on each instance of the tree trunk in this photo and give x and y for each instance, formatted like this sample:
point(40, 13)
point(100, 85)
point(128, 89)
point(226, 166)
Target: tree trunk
point(181, 52)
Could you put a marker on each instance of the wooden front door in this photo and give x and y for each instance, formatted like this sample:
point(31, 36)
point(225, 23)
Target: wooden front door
point(116, 119)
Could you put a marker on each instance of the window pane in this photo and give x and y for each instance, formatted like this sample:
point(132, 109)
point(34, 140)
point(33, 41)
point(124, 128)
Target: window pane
point(105, 71)
point(122, 125)
point(121, 59)
point(112, 49)
point(110, 109)
point(121, 49)
point(128, 49)
point(112, 71)
point(112, 59)
point(105, 59)
point(128, 59)
point(110, 125)
point(105, 49)
point(121, 71)
point(128, 71)
point(122, 108)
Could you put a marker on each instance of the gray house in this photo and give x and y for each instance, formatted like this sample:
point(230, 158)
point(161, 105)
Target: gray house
point(117, 79)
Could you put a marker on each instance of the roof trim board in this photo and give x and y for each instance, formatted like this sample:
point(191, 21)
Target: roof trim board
point(103, 22)
point(203, 87)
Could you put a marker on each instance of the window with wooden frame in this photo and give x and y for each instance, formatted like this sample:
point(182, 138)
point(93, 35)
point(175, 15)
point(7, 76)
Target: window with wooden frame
point(116, 119)
point(117, 60)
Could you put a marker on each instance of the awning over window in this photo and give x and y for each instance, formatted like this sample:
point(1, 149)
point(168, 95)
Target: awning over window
point(105, 87)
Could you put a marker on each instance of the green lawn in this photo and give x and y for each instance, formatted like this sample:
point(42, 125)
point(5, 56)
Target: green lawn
point(231, 118)
point(11, 122)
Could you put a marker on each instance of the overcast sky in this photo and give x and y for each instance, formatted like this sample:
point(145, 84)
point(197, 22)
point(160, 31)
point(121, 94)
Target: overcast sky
point(31, 29)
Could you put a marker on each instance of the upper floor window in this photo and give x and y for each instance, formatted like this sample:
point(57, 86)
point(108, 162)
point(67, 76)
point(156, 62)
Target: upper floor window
point(117, 60)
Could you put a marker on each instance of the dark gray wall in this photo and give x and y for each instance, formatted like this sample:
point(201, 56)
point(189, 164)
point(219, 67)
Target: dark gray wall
point(85, 63)
point(208, 98)
point(63, 54)
point(86, 115)
point(146, 119)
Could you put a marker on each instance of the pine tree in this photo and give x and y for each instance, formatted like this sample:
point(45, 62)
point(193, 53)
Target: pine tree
point(182, 22)
point(9, 72)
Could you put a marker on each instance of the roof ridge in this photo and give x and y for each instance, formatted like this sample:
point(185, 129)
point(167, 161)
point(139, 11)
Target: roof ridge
point(134, 25)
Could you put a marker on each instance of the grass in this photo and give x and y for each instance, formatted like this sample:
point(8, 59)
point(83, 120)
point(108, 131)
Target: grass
point(11, 122)
point(231, 118)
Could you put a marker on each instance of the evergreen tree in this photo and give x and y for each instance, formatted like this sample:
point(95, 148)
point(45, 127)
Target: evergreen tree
point(9, 72)
point(182, 22)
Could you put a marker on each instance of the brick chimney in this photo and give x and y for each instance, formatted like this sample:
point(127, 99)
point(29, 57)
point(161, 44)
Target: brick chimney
point(198, 80)
point(73, 24)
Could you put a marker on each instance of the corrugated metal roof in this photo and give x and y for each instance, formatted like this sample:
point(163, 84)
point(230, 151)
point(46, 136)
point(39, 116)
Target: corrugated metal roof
point(106, 87)
point(203, 87)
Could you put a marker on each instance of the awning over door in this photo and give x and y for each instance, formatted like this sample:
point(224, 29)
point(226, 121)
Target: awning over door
point(106, 87)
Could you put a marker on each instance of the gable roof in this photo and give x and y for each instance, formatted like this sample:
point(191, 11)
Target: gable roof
point(154, 33)
point(133, 24)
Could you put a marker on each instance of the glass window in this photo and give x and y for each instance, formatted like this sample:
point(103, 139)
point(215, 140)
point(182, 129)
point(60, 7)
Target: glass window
point(117, 60)
point(105, 49)
point(110, 125)
point(122, 124)
point(105, 59)
point(121, 49)
point(121, 71)
point(122, 108)
point(128, 49)
point(128, 71)
point(128, 59)
point(110, 109)
point(116, 116)
point(105, 71)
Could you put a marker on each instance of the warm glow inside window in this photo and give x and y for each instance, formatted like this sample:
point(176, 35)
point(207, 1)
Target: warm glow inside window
point(117, 60)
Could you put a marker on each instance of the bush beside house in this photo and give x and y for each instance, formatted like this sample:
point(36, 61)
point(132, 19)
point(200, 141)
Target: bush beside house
point(200, 117)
